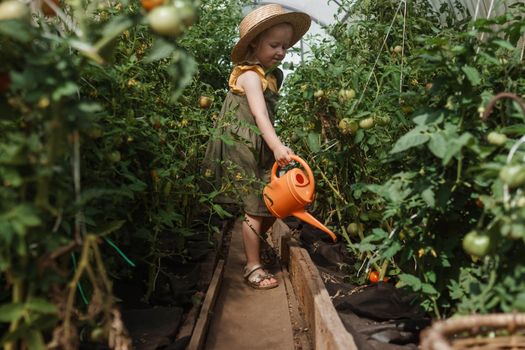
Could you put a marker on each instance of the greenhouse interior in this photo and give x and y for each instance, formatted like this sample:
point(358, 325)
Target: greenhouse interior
point(234, 174)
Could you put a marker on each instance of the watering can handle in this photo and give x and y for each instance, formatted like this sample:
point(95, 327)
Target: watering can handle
point(303, 164)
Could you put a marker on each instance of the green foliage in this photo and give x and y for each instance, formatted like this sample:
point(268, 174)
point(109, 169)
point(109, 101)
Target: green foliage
point(423, 174)
point(101, 141)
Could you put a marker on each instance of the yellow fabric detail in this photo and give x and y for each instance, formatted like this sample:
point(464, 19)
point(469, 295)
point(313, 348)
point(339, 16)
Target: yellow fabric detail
point(267, 81)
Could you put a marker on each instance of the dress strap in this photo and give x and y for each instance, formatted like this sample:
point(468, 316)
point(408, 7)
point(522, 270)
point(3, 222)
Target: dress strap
point(268, 80)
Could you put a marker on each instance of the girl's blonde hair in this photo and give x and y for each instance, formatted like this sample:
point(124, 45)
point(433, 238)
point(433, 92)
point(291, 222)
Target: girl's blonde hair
point(250, 50)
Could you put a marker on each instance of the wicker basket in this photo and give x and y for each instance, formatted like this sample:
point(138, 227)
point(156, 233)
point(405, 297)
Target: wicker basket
point(480, 332)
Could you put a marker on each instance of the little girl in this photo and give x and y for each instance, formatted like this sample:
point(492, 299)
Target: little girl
point(266, 34)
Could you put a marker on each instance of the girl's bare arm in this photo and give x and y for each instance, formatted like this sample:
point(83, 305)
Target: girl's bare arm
point(251, 83)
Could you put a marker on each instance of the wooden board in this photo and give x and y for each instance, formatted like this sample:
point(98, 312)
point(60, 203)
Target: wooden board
point(326, 328)
point(201, 326)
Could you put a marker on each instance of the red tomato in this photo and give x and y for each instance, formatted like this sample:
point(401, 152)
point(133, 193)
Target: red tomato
point(479, 203)
point(47, 10)
point(373, 276)
point(5, 81)
point(149, 5)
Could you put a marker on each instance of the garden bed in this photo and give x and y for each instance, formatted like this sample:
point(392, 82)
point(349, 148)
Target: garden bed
point(171, 317)
point(340, 315)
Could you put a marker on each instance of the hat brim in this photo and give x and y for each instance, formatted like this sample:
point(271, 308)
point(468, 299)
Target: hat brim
point(300, 23)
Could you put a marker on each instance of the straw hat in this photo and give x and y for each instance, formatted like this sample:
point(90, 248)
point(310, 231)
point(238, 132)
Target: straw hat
point(266, 17)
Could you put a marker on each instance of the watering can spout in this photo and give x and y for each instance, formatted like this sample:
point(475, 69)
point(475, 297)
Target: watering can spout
point(306, 217)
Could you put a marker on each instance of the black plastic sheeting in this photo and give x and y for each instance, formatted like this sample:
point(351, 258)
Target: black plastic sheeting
point(379, 316)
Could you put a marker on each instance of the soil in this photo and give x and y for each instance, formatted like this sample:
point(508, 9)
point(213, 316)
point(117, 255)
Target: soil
point(180, 284)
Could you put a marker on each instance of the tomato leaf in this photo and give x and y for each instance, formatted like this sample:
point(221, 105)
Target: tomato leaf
point(67, 89)
point(429, 289)
point(17, 30)
point(428, 197)
point(413, 138)
point(160, 49)
point(181, 72)
point(472, 74)
point(428, 118)
point(410, 281)
point(35, 340)
point(314, 142)
point(42, 306)
point(227, 140)
point(438, 145)
point(221, 212)
point(455, 146)
point(114, 28)
point(504, 44)
point(392, 250)
point(11, 312)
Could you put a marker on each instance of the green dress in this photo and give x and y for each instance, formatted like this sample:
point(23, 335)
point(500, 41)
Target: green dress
point(238, 160)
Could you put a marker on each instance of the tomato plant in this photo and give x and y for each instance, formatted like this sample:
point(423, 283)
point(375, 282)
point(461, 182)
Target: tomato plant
point(77, 146)
point(409, 157)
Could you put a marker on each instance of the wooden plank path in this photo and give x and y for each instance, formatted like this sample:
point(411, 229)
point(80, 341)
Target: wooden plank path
point(245, 318)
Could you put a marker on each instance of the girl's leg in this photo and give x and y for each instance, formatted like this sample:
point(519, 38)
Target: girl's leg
point(251, 230)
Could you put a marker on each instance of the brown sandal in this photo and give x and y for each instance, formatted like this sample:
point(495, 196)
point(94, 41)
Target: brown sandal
point(254, 278)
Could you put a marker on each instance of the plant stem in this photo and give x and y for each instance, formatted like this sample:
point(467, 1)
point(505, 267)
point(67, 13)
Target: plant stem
point(17, 296)
point(343, 231)
point(384, 268)
point(337, 193)
point(83, 262)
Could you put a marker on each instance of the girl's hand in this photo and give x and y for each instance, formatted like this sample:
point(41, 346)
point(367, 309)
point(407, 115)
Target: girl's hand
point(282, 154)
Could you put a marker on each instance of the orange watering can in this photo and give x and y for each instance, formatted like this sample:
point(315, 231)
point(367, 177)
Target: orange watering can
point(291, 193)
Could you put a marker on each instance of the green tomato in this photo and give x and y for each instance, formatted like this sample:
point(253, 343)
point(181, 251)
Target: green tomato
point(97, 334)
point(186, 12)
point(512, 175)
point(13, 9)
point(476, 244)
point(114, 157)
point(364, 216)
point(319, 93)
point(375, 215)
point(165, 20)
point(347, 126)
point(354, 228)
point(167, 189)
point(95, 132)
point(367, 123)
point(398, 49)
point(383, 120)
point(496, 139)
point(345, 95)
